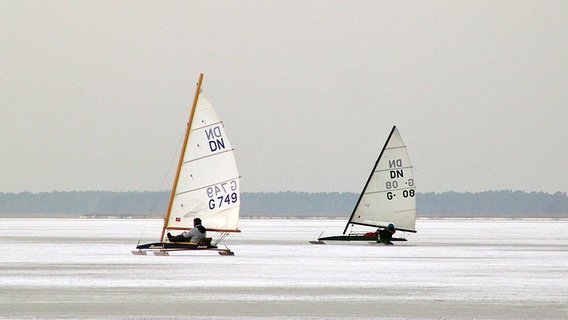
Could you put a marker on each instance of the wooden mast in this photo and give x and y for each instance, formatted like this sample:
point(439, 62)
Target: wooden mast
point(187, 130)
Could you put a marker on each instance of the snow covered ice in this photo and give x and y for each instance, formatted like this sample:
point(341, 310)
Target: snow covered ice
point(451, 269)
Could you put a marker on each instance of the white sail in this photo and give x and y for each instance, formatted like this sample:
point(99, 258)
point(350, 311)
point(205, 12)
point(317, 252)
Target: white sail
point(390, 193)
point(208, 183)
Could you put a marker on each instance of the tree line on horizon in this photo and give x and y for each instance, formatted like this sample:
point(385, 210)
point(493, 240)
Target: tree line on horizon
point(321, 204)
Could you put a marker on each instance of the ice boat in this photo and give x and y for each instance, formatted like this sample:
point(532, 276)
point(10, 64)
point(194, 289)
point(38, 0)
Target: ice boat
point(206, 184)
point(388, 198)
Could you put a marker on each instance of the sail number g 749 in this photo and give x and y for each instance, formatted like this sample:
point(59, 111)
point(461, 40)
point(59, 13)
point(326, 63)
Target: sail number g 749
point(222, 194)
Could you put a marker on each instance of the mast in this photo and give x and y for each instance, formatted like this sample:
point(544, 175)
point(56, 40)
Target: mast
point(368, 180)
point(180, 162)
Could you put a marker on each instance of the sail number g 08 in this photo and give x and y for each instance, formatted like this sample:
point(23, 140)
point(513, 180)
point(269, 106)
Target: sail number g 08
point(405, 193)
point(223, 194)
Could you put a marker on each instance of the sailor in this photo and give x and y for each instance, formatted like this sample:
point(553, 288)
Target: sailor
point(385, 234)
point(197, 233)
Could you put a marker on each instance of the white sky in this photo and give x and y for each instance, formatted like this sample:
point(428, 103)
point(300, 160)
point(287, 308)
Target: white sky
point(94, 95)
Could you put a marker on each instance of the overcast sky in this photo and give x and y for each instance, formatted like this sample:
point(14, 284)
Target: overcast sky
point(95, 94)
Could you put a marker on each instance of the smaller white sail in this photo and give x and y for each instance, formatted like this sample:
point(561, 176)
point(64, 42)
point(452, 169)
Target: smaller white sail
point(208, 183)
point(390, 193)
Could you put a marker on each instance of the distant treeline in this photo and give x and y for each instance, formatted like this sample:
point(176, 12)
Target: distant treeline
point(323, 204)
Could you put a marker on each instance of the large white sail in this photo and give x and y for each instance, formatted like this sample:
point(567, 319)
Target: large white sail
point(208, 183)
point(390, 193)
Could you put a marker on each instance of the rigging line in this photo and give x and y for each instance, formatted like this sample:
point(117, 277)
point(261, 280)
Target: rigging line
point(222, 237)
point(325, 228)
point(175, 156)
point(162, 184)
point(346, 201)
point(144, 227)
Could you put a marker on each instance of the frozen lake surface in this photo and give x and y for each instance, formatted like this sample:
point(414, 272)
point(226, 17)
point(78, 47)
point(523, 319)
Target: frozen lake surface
point(450, 269)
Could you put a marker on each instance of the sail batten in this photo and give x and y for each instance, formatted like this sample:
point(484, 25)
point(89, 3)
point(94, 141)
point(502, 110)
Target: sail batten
point(383, 170)
point(394, 148)
point(206, 126)
point(219, 182)
point(207, 156)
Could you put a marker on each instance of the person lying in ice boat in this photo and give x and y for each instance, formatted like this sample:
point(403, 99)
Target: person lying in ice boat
point(197, 233)
point(385, 234)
